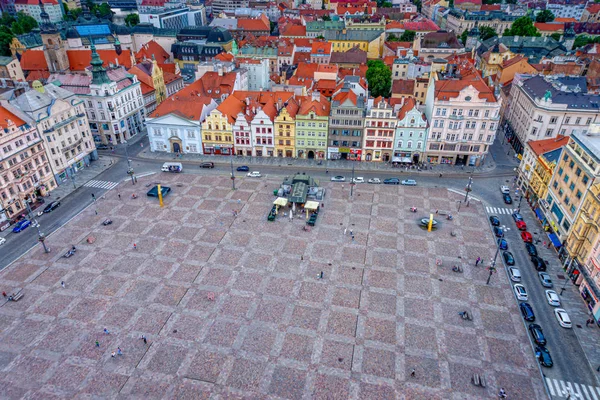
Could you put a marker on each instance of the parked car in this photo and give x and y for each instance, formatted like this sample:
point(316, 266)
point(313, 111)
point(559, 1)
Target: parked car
point(243, 168)
point(545, 279)
point(508, 258)
point(520, 292)
point(531, 249)
point(507, 199)
point(207, 165)
point(563, 318)
point(526, 236)
point(391, 181)
point(494, 221)
point(409, 182)
point(538, 263)
point(374, 180)
point(543, 356)
point(338, 178)
point(504, 189)
point(537, 334)
point(498, 231)
point(515, 274)
point(503, 244)
point(527, 312)
point(253, 174)
point(2, 240)
point(521, 225)
point(52, 206)
point(21, 225)
point(517, 217)
point(102, 146)
point(359, 179)
point(552, 298)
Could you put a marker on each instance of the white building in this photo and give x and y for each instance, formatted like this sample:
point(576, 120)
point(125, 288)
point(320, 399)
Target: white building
point(113, 100)
point(177, 18)
point(262, 128)
point(258, 74)
point(60, 119)
point(411, 134)
point(34, 10)
point(242, 133)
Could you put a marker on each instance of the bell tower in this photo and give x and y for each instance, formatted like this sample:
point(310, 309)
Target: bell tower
point(54, 47)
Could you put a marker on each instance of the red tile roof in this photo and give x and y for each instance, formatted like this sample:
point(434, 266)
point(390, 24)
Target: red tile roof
point(37, 75)
point(325, 84)
point(543, 146)
point(549, 27)
point(169, 77)
point(403, 86)
point(294, 30)
point(33, 60)
point(146, 89)
point(79, 60)
point(320, 108)
point(306, 70)
point(170, 67)
point(152, 49)
point(254, 24)
point(563, 20)
point(225, 57)
point(301, 57)
point(184, 105)
point(451, 88)
point(490, 7)
point(409, 104)
point(425, 25)
point(321, 48)
point(6, 115)
point(467, 1)
point(341, 97)
point(593, 8)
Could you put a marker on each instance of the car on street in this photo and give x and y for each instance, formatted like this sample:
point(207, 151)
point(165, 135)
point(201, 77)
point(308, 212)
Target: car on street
point(52, 206)
point(521, 225)
point(391, 181)
point(538, 263)
point(504, 189)
point(563, 318)
point(531, 249)
point(527, 312)
point(102, 146)
point(498, 231)
point(374, 180)
point(545, 279)
point(517, 217)
point(409, 182)
point(207, 165)
point(508, 258)
point(243, 168)
point(537, 334)
point(358, 179)
point(515, 274)
point(552, 298)
point(2, 240)
point(507, 199)
point(543, 356)
point(338, 178)
point(494, 221)
point(526, 236)
point(520, 292)
point(253, 174)
point(21, 226)
point(503, 244)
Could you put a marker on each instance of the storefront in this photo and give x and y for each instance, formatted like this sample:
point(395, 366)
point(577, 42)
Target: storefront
point(224, 150)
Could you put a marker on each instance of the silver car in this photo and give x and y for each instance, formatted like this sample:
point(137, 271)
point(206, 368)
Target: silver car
point(338, 178)
point(545, 279)
point(552, 298)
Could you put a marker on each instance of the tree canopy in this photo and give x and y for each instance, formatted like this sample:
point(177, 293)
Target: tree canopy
point(132, 19)
point(71, 14)
point(11, 26)
point(379, 77)
point(408, 36)
point(487, 32)
point(523, 26)
point(583, 40)
point(544, 16)
point(23, 24)
point(555, 36)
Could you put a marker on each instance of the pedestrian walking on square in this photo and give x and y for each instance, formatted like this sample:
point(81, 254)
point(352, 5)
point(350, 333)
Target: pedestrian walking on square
point(321, 275)
point(62, 283)
point(502, 393)
point(113, 354)
point(412, 373)
point(301, 258)
point(477, 261)
point(119, 352)
point(106, 331)
point(352, 238)
point(351, 233)
point(134, 246)
point(97, 343)
point(144, 339)
point(345, 230)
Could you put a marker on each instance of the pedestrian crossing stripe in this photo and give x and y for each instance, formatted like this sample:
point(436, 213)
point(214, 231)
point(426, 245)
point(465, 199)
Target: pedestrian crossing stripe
point(101, 184)
point(560, 389)
point(500, 210)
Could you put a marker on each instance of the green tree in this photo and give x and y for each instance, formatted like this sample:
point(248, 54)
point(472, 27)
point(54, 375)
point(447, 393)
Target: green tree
point(6, 19)
point(555, 36)
point(583, 40)
point(326, 18)
point(105, 10)
point(386, 4)
point(71, 15)
point(523, 26)
point(321, 37)
point(419, 4)
point(393, 38)
point(407, 36)
point(5, 40)
point(463, 36)
point(132, 19)
point(487, 32)
point(379, 77)
point(23, 24)
point(544, 16)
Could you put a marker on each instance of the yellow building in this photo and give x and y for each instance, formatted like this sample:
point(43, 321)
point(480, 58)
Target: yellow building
point(152, 83)
point(584, 234)
point(492, 60)
point(370, 41)
point(217, 128)
point(285, 130)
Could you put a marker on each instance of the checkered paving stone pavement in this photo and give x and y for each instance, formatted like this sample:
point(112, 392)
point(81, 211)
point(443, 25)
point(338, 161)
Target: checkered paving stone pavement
point(273, 329)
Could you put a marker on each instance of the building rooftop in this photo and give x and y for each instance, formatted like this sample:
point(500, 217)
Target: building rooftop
point(569, 91)
point(540, 147)
point(353, 35)
point(35, 103)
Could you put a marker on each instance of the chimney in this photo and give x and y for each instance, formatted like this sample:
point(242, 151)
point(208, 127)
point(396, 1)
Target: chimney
point(247, 101)
point(220, 69)
point(516, 39)
point(279, 104)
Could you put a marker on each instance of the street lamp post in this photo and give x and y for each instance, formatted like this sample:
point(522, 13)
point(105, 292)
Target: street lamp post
point(492, 267)
point(41, 236)
point(352, 182)
point(129, 169)
point(468, 189)
point(232, 176)
point(519, 207)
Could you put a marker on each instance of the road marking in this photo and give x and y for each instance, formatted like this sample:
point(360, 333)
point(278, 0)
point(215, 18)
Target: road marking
point(561, 389)
point(593, 392)
point(550, 387)
point(101, 184)
point(499, 210)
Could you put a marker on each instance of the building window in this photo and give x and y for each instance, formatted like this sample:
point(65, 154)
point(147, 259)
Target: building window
point(566, 179)
point(585, 179)
point(560, 171)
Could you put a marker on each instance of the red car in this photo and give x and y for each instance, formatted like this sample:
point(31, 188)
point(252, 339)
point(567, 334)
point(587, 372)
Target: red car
point(521, 225)
point(526, 236)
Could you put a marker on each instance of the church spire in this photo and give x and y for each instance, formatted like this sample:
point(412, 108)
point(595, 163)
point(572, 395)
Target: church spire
point(46, 26)
point(99, 75)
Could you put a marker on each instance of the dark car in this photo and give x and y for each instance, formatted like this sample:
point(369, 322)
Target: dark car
point(102, 146)
point(531, 249)
point(243, 168)
point(21, 225)
point(508, 258)
point(391, 181)
point(517, 217)
point(51, 206)
point(494, 221)
point(207, 165)
point(507, 199)
point(503, 244)
point(527, 312)
point(536, 333)
point(538, 263)
point(543, 356)
point(498, 231)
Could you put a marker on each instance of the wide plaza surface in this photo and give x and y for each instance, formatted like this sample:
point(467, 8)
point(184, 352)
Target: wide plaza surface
point(234, 306)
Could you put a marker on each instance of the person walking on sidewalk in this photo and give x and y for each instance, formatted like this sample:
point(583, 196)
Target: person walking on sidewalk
point(477, 261)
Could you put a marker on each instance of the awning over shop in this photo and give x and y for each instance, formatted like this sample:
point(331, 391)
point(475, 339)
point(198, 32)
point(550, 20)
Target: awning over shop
point(397, 159)
point(555, 240)
point(401, 159)
point(311, 205)
point(281, 201)
point(539, 214)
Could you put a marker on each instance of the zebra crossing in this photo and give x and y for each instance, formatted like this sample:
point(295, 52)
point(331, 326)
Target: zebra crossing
point(101, 184)
point(562, 389)
point(500, 210)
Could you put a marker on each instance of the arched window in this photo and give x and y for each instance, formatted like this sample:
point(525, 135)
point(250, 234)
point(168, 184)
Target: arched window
point(399, 143)
point(419, 145)
point(409, 144)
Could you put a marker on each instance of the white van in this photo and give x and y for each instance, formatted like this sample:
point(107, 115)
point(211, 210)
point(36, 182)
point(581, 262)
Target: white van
point(172, 167)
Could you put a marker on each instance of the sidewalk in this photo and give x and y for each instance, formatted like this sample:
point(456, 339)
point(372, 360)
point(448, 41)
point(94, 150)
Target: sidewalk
point(82, 177)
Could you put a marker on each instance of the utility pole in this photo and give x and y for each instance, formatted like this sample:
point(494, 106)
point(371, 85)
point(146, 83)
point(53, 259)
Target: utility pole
point(519, 207)
point(352, 181)
point(232, 176)
point(41, 236)
point(468, 189)
point(492, 267)
point(129, 169)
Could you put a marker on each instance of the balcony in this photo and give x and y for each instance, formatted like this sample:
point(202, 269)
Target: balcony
point(72, 146)
point(63, 123)
point(457, 117)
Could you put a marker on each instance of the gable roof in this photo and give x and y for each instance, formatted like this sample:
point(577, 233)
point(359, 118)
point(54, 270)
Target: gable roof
point(6, 115)
point(403, 86)
point(33, 60)
point(451, 88)
point(182, 104)
point(294, 30)
point(409, 104)
point(261, 23)
point(152, 49)
point(320, 108)
point(321, 48)
point(79, 60)
point(543, 146)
